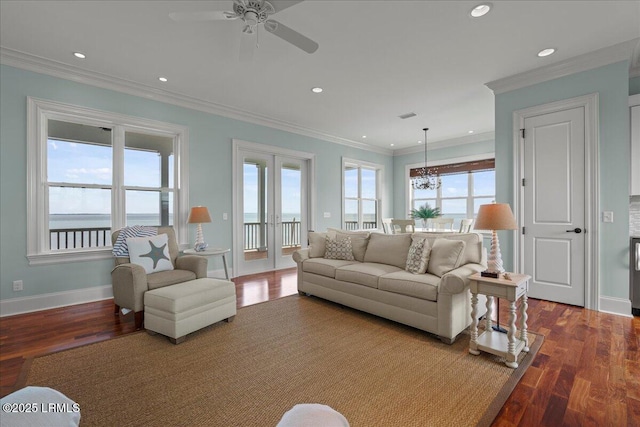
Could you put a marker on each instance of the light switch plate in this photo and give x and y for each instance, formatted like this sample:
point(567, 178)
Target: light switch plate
point(607, 216)
point(327, 214)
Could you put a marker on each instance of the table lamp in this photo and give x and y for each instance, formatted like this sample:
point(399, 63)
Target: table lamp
point(199, 215)
point(495, 216)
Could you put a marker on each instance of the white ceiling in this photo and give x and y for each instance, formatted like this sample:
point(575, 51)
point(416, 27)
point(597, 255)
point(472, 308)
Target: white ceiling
point(376, 60)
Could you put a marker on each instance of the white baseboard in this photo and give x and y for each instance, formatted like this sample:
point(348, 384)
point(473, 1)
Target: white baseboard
point(13, 306)
point(619, 306)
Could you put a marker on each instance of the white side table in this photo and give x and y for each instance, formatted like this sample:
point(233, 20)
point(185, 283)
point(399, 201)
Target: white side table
point(212, 252)
point(495, 342)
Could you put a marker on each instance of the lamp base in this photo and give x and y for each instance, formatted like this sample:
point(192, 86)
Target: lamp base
point(492, 274)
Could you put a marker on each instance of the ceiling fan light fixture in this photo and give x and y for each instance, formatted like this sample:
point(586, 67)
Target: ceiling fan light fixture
point(480, 10)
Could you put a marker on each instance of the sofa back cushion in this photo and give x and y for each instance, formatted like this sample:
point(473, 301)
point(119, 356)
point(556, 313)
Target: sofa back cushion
point(446, 255)
point(391, 249)
point(317, 246)
point(473, 250)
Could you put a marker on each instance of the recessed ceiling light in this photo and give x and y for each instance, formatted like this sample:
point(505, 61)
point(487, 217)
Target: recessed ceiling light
point(392, 145)
point(364, 136)
point(470, 131)
point(79, 55)
point(163, 79)
point(480, 10)
point(419, 142)
point(546, 52)
point(316, 89)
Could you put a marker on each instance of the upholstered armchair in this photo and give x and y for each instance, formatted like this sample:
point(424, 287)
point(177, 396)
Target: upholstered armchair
point(130, 281)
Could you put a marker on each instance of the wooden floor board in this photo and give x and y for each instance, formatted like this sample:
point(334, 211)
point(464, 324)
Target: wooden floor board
point(587, 372)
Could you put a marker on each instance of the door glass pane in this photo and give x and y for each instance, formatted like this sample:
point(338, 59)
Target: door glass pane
point(255, 209)
point(79, 217)
point(291, 181)
point(350, 181)
point(350, 214)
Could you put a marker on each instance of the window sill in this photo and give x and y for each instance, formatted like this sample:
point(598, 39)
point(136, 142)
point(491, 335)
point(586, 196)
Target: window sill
point(69, 256)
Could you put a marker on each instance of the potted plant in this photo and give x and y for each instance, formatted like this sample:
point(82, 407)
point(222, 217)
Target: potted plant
point(424, 213)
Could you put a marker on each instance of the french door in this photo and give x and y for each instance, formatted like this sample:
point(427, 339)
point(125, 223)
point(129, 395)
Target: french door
point(271, 211)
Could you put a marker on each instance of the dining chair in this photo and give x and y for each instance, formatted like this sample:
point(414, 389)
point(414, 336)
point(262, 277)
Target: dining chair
point(386, 225)
point(442, 224)
point(465, 225)
point(400, 226)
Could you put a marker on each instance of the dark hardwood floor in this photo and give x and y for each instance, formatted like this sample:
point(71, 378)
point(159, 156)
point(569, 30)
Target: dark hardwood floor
point(587, 372)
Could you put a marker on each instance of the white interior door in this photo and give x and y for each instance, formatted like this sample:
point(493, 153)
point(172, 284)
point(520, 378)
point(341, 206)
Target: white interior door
point(554, 205)
point(272, 212)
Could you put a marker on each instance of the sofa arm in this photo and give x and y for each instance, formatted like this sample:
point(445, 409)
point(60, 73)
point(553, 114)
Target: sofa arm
point(129, 282)
point(195, 263)
point(457, 280)
point(300, 255)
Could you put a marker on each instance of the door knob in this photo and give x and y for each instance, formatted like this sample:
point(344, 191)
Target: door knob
point(576, 230)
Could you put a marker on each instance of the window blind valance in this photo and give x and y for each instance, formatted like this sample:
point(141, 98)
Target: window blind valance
point(455, 168)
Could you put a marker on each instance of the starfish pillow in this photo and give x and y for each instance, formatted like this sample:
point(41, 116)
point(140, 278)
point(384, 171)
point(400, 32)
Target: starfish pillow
point(152, 253)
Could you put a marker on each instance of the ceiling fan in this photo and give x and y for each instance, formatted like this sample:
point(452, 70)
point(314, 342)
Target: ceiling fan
point(252, 13)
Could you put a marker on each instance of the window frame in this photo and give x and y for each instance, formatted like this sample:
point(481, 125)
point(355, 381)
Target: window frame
point(359, 164)
point(470, 197)
point(39, 112)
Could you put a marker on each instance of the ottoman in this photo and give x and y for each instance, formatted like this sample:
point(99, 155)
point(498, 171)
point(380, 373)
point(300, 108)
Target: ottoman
point(180, 309)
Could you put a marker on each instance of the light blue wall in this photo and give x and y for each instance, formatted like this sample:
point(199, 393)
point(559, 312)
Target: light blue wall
point(634, 86)
point(400, 181)
point(612, 84)
point(209, 173)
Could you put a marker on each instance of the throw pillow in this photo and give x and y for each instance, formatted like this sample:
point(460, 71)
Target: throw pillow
point(446, 255)
point(316, 244)
point(418, 256)
point(120, 249)
point(152, 253)
point(358, 243)
point(339, 248)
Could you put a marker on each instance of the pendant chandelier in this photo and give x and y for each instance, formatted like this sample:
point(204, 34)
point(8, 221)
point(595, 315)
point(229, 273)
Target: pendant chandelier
point(426, 180)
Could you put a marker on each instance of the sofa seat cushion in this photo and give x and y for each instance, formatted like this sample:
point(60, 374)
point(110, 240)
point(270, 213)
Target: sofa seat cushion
point(169, 277)
point(365, 273)
point(323, 266)
point(423, 286)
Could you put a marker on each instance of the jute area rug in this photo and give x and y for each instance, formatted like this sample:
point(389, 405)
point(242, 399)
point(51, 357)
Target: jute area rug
point(273, 356)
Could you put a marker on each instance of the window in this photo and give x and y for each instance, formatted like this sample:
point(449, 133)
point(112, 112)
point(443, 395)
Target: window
point(465, 186)
point(361, 194)
point(92, 172)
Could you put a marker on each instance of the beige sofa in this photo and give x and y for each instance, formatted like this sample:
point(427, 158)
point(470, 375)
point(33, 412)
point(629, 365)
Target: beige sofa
point(437, 301)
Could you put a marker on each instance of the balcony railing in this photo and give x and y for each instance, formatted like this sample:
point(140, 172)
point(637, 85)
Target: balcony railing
point(353, 225)
point(77, 238)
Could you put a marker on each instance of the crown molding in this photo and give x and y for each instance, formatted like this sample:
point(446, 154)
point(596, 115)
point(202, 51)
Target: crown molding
point(598, 58)
point(445, 143)
point(60, 70)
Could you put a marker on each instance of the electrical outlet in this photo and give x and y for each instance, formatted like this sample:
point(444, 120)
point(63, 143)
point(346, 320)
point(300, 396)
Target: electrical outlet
point(17, 285)
point(607, 216)
point(225, 216)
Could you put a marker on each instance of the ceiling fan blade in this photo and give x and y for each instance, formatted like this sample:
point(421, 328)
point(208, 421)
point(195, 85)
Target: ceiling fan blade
point(279, 5)
point(291, 36)
point(211, 15)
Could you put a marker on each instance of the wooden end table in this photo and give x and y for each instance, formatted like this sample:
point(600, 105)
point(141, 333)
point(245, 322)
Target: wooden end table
point(508, 346)
point(212, 252)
